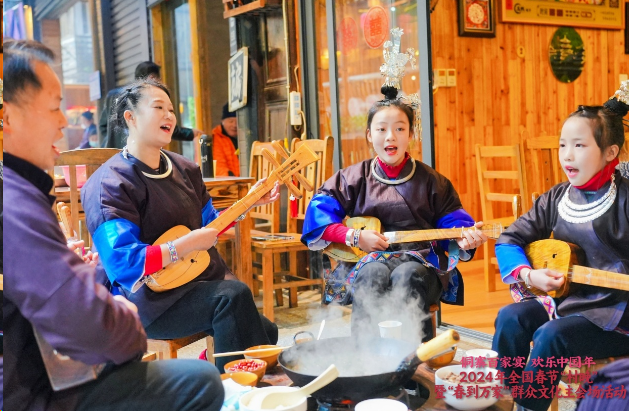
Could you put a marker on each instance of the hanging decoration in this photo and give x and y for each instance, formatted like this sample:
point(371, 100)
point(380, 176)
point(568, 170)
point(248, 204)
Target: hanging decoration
point(375, 27)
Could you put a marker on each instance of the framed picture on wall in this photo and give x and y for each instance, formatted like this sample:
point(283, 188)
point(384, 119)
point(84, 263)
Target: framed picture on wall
point(477, 18)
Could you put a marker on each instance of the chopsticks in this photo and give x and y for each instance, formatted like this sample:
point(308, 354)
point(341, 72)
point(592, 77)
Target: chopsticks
point(260, 350)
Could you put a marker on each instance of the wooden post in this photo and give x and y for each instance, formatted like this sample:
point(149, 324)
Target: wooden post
point(243, 262)
point(199, 107)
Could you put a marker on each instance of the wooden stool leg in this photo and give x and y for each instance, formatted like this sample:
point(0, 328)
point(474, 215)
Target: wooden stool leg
point(267, 285)
point(209, 341)
point(292, 292)
point(256, 283)
point(277, 264)
point(490, 275)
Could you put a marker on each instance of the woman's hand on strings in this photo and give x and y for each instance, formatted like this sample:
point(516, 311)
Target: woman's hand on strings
point(371, 240)
point(271, 196)
point(197, 240)
point(472, 238)
point(545, 279)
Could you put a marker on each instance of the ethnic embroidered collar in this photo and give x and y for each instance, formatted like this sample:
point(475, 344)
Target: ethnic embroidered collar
point(169, 165)
point(392, 182)
point(583, 213)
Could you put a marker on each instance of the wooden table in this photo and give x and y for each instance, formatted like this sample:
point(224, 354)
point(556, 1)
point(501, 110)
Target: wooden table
point(424, 375)
point(243, 262)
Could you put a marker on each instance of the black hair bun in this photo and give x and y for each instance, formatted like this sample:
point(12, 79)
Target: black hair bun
point(617, 107)
point(390, 93)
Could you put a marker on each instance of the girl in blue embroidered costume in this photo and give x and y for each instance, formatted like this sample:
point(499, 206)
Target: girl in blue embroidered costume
point(591, 210)
point(141, 193)
point(404, 194)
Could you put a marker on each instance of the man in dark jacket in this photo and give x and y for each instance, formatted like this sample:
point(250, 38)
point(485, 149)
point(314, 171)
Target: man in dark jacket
point(53, 291)
point(113, 138)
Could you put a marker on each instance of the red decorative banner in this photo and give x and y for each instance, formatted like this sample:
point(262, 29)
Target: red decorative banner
point(347, 34)
point(376, 27)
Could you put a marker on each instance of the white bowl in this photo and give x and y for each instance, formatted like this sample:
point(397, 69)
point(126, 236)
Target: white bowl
point(466, 403)
point(381, 404)
point(245, 399)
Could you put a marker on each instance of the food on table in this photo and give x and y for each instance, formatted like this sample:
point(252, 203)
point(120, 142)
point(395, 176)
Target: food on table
point(246, 365)
point(453, 378)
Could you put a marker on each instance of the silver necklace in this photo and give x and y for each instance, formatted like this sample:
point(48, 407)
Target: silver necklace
point(582, 213)
point(169, 165)
point(391, 182)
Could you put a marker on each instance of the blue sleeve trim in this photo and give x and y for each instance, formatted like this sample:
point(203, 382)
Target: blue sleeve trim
point(510, 257)
point(456, 219)
point(121, 252)
point(209, 213)
point(322, 211)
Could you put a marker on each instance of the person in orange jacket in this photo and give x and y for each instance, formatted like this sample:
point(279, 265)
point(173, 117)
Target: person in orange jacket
point(225, 150)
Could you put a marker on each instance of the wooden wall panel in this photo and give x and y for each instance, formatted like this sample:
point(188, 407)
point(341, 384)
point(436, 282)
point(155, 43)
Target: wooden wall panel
point(498, 93)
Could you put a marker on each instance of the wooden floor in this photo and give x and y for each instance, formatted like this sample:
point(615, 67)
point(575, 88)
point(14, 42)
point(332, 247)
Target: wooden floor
point(481, 307)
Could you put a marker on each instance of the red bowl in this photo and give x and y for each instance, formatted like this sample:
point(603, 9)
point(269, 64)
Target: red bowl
point(81, 175)
point(240, 365)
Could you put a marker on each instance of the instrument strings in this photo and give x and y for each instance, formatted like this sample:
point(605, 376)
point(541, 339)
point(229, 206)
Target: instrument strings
point(612, 280)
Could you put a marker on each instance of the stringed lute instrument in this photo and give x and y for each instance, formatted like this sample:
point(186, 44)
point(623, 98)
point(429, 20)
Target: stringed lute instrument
point(190, 266)
point(563, 257)
point(342, 252)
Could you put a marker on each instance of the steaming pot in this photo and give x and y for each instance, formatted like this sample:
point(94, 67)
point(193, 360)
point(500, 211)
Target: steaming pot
point(367, 369)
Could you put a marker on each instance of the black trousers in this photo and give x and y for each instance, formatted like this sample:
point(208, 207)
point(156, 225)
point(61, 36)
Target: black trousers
point(223, 309)
point(519, 324)
point(400, 289)
point(183, 385)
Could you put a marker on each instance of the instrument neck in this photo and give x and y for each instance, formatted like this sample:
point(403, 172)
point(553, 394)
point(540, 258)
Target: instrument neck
point(243, 205)
point(592, 276)
point(435, 234)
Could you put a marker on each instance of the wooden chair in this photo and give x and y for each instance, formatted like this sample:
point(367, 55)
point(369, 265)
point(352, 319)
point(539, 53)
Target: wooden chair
point(488, 175)
point(267, 216)
point(167, 349)
point(624, 152)
point(543, 152)
point(272, 277)
point(92, 158)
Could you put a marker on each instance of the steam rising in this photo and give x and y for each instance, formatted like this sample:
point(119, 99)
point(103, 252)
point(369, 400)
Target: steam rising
point(365, 353)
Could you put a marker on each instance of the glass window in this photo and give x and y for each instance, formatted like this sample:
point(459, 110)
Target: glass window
point(362, 27)
point(77, 63)
point(185, 85)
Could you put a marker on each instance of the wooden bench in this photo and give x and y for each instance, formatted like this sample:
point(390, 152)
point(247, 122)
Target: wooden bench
point(167, 349)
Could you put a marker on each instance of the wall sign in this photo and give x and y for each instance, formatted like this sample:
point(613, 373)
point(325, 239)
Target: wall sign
point(376, 27)
point(238, 67)
point(592, 13)
point(566, 54)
